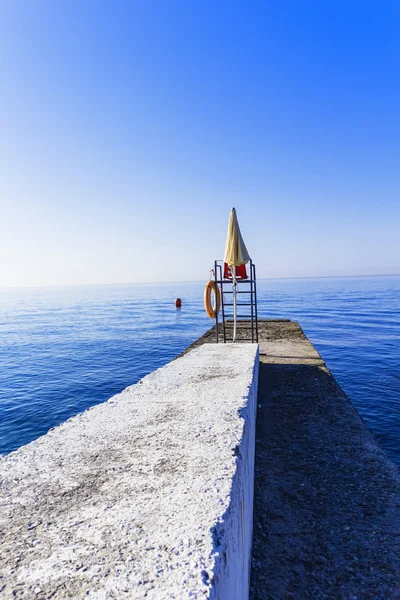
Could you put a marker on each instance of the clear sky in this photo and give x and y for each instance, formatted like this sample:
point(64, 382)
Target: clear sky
point(130, 128)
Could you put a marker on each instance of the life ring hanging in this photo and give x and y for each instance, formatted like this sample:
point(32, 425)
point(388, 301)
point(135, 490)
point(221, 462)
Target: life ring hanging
point(212, 310)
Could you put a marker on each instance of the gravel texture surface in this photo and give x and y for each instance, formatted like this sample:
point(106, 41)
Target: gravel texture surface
point(327, 499)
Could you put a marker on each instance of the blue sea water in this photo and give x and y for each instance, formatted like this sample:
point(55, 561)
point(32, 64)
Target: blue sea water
point(65, 349)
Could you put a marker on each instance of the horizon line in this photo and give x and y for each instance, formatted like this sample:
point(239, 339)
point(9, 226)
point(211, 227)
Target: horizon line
point(67, 285)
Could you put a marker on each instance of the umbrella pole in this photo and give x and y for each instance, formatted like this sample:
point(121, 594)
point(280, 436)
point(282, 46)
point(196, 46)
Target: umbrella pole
point(234, 284)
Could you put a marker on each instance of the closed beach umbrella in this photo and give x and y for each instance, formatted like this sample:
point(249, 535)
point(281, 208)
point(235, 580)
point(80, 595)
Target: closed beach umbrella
point(235, 255)
point(235, 249)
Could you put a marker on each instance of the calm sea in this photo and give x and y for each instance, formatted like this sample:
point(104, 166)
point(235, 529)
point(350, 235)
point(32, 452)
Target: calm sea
point(65, 349)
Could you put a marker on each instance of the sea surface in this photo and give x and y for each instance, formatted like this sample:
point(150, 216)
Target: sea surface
point(65, 349)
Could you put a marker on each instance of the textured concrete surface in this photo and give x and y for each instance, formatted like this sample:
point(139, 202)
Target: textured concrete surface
point(148, 495)
point(327, 499)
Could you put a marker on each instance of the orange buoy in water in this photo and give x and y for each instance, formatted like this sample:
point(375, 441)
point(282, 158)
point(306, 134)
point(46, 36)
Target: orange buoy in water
point(178, 303)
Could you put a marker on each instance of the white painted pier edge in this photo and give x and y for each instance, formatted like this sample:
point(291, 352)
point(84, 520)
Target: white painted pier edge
point(233, 536)
point(148, 495)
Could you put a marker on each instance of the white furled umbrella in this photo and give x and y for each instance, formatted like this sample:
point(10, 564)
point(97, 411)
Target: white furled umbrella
point(235, 255)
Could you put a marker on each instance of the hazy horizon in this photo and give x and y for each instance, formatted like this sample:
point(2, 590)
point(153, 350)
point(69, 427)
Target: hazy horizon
point(128, 283)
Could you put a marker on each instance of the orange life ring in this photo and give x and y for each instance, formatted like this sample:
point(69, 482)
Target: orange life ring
point(212, 310)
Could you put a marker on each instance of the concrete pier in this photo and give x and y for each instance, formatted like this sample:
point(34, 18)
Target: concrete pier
point(327, 498)
point(149, 495)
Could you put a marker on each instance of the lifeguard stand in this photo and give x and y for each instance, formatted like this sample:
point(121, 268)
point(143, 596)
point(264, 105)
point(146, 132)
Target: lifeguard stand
point(246, 304)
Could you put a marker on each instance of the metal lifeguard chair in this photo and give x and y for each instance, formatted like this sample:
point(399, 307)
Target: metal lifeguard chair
point(246, 303)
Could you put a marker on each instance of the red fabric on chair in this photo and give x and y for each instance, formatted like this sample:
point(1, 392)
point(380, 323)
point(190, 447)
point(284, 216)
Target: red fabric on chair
point(241, 272)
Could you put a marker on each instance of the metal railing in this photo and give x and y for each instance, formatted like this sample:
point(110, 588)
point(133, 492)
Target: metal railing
point(245, 322)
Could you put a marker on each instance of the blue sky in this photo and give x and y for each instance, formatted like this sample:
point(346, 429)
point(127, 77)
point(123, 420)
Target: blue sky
point(129, 129)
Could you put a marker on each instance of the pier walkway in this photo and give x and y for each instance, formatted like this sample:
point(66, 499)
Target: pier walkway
point(327, 499)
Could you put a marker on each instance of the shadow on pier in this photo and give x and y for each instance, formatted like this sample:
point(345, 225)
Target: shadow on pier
point(327, 499)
